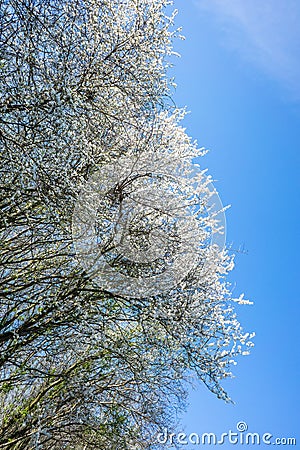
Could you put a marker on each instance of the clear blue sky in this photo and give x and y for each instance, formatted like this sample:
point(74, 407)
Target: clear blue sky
point(239, 75)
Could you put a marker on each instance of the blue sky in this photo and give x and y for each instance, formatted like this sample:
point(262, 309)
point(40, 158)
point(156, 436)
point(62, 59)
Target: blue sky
point(239, 75)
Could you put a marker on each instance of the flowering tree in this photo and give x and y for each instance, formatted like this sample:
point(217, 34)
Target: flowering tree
point(113, 289)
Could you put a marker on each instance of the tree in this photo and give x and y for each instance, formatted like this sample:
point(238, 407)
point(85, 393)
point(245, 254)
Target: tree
point(84, 364)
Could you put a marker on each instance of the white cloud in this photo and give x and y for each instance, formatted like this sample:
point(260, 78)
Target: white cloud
point(266, 31)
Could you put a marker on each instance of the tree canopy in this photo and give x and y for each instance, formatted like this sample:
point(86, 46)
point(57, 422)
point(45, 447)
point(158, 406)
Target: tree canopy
point(113, 291)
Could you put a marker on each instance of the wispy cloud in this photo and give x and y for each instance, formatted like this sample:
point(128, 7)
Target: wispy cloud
point(265, 31)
